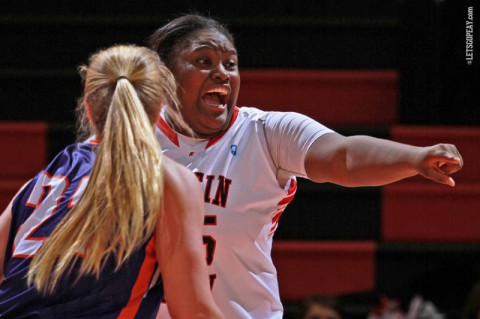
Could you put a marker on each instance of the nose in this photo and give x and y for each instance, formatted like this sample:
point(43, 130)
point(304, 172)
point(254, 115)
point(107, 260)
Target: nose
point(219, 73)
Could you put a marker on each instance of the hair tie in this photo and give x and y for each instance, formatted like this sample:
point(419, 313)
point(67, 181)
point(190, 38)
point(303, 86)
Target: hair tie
point(122, 77)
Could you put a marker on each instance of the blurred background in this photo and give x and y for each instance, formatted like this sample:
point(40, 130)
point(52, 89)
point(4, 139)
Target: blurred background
point(394, 69)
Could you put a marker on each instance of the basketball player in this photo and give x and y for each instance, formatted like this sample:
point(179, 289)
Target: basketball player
point(97, 232)
point(247, 161)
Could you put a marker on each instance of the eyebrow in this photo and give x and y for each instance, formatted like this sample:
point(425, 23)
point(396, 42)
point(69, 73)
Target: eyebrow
point(210, 45)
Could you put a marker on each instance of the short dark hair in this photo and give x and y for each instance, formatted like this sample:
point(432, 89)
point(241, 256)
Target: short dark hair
point(165, 39)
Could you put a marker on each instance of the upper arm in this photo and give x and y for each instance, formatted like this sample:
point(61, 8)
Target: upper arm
point(5, 222)
point(289, 136)
point(326, 159)
point(179, 246)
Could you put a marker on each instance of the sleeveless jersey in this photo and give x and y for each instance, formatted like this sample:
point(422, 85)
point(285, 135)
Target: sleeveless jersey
point(248, 178)
point(130, 292)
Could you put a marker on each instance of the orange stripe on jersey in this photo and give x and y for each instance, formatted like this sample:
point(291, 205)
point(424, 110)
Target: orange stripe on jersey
point(168, 131)
point(282, 204)
point(142, 284)
point(291, 193)
point(95, 141)
point(215, 139)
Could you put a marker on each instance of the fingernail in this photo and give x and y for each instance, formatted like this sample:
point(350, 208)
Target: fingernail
point(451, 182)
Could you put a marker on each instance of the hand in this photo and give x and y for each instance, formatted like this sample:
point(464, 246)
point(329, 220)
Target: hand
point(439, 161)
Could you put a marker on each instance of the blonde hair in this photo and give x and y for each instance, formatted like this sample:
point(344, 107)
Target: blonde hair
point(125, 87)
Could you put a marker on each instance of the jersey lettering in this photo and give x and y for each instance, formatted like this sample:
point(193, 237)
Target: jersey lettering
point(78, 192)
point(210, 244)
point(212, 280)
point(221, 192)
point(199, 176)
point(220, 199)
point(223, 188)
point(45, 197)
point(208, 188)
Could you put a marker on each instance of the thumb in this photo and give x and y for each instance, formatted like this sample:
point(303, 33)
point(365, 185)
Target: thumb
point(439, 176)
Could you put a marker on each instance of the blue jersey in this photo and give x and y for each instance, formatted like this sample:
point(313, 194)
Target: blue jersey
point(133, 291)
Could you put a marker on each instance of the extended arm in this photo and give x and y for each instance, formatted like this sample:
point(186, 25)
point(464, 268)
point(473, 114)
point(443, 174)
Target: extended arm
point(180, 251)
point(368, 161)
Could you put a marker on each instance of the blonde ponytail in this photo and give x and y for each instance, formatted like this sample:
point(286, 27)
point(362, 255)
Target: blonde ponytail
point(125, 87)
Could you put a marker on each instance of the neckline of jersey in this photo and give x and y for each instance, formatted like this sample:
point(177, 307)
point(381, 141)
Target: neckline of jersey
point(173, 136)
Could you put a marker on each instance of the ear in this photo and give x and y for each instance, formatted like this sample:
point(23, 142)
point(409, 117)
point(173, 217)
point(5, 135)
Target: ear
point(88, 111)
point(82, 70)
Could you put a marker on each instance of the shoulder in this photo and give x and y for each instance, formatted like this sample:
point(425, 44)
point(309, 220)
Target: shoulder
point(74, 153)
point(256, 114)
point(178, 179)
point(74, 160)
point(250, 110)
point(250, 113)
point(252, 117)
point(175, 172)
point(182, 193)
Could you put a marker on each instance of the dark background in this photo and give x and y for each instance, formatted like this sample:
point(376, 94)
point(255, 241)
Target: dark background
point(423, 39)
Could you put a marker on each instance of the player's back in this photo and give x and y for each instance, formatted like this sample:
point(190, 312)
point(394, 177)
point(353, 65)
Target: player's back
point(130, 292)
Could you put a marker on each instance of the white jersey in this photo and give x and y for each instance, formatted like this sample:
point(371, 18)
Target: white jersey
point(248, 178)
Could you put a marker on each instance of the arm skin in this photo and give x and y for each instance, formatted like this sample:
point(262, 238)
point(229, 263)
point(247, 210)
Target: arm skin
point(368, 161)
point(179, 247)
point(5, 221)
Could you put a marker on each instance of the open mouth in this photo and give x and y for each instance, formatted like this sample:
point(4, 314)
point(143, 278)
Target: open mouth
point(216, 97)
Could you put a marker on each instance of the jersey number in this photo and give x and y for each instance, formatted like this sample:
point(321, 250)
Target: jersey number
point(44, 198)
point(210, 244)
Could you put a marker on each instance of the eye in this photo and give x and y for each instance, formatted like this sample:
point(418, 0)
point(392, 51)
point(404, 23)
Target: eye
point(205, 61)
point(230, 64)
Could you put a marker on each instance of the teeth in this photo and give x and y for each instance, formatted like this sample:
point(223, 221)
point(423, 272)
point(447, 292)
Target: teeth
point(220, 91)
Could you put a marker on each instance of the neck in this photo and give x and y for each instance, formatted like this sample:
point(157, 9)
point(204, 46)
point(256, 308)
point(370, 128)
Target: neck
point(196, 134)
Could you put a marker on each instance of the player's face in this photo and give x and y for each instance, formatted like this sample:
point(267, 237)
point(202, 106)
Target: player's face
point(206, 70)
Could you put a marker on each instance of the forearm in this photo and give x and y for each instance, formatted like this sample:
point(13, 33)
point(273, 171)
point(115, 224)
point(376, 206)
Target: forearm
point(368, 161)
point(180, 250)
point(371, 161)
point(187, 288)
point(5, 221)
